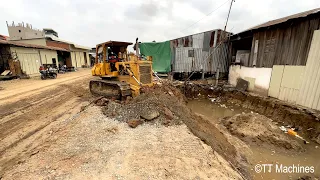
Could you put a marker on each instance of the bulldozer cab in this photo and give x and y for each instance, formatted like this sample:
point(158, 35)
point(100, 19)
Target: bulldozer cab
point(112, 48)
point(114, 66)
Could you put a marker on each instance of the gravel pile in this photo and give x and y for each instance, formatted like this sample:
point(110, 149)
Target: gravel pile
point(162, 105)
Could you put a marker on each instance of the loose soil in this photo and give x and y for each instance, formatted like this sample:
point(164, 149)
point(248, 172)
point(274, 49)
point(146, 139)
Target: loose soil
point(55, 134)
point(305, 119)
point(52, 131)
point(23, 117)
point(166, 96)
point(259, 130)
point(258, 138)
point(92, 146)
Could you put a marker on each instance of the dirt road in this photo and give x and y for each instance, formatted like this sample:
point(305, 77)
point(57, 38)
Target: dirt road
point(28, 107)
point(44, 135)
point(92, 146)
point(15, 90)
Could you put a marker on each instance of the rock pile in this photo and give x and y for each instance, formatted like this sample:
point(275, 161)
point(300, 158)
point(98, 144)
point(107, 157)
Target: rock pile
point(162, 105)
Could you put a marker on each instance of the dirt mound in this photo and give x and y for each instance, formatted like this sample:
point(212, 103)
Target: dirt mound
point(161, 104)
point(259, 130)
point(171, 105)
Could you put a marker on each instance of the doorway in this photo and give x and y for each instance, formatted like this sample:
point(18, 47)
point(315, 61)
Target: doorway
point(85, 59)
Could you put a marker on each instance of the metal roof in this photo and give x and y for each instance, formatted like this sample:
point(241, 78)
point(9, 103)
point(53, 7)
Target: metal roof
point(30, 45)
point(285, 19)
point(116, 43)
point(197, 33)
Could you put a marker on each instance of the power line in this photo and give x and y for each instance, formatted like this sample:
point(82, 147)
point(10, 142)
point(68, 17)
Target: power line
point(206, 15)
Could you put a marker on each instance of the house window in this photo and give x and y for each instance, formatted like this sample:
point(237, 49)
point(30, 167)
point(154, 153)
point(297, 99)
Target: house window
point(19, 31)
point(270, 45)
point(191, 53)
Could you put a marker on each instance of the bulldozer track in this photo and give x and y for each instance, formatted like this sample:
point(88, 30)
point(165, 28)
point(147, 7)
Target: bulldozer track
point(110, 89)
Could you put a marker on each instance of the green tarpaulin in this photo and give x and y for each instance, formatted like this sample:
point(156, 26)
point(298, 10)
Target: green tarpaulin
point(161, 55)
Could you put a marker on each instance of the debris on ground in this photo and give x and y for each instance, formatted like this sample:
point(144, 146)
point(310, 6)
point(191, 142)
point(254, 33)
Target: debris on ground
point(150, 115)
point(134, 122)
point(259, 130)
point(102, 102)
point(292, 132)
point(160, 104)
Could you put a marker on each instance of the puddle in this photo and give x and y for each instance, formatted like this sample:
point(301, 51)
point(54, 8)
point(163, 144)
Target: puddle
point(311, 157)
point(215, 110)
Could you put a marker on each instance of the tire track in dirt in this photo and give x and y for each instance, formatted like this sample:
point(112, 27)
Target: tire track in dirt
point(22, 120)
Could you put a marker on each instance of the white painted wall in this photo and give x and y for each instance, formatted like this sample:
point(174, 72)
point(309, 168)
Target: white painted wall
point(260, 77)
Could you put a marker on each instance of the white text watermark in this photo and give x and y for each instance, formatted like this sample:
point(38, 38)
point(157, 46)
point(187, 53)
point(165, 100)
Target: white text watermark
point(280, 168)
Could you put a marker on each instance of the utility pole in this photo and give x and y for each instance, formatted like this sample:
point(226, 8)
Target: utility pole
point(225, 27)
point(224, 37)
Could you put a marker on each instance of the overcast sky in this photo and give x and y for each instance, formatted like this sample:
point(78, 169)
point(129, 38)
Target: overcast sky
point(89, 22)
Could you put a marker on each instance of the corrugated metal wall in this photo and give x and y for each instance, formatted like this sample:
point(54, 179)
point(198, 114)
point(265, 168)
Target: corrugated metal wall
point(48, 55)
point(286, 82)
point(30, 58)
point(219, 58)
point(285, 44)
point(206, 56)
point(78, 59)
point(182, 63)
point(310, 90)
point(299, 84)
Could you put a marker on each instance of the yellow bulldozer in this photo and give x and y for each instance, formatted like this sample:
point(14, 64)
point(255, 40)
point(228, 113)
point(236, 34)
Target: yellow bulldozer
point(121, 74)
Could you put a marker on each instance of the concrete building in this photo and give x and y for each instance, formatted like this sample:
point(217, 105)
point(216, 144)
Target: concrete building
point(281, 58)
point(23, 31)
point(76, 56)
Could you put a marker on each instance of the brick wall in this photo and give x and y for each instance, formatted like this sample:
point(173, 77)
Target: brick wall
point(58, 44)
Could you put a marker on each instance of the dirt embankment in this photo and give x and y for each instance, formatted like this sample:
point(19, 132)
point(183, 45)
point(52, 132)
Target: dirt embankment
point(306, 120)
point(165, 98)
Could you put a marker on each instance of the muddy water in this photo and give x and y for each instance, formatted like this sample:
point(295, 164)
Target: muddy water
point(309, 158)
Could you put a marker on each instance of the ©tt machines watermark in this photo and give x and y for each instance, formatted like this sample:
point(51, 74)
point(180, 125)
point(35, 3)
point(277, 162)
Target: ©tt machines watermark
point(280, 168)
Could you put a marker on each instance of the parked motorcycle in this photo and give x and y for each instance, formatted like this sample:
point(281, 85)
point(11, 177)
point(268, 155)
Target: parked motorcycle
point(62, 69)
point(48, 73)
